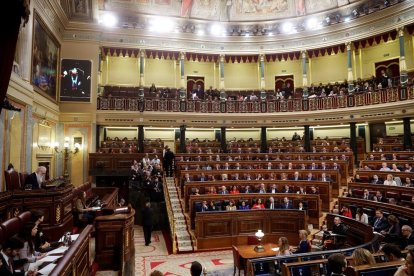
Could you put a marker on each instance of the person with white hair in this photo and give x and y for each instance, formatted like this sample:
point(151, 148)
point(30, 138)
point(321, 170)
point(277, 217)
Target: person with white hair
point(35, 179)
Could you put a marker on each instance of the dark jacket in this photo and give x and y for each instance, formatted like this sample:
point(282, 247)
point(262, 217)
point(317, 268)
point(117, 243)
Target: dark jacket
point(147, 216)
point(32, 180)
point(380, 224)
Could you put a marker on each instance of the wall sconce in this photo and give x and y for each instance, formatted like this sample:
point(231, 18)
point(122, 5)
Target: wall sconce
point(259, 235)
point(67, 150)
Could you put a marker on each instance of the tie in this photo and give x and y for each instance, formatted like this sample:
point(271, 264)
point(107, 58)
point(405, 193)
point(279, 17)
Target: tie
point(10, 261)
point(376, 222)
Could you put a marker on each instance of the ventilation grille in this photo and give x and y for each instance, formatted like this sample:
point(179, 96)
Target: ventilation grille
point(205, 122)
point(329, 119)
point(244, 122)
point(377, 114)
point(162, 121)
point(285, 121)
point(118, 120)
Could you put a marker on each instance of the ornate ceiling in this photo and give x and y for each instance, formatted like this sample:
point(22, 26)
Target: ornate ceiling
point(225, 10)
point(248, 26)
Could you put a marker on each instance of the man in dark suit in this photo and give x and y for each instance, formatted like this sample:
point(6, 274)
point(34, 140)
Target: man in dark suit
point(407, 236)
point(10, 250)
point(34, 180)
point(367, 195)
point(338, 228)
point(380, 223)
point(379, 197)
point(287, 204)
point(296, 176)
point(287, 190)
point(169, 161)
point(376, 180)
point(147, 222)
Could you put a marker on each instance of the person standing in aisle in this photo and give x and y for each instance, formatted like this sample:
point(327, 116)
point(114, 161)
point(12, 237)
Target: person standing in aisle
point(147, 222)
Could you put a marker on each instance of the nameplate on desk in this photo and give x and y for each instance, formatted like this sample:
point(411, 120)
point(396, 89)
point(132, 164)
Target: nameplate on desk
point(121, 210)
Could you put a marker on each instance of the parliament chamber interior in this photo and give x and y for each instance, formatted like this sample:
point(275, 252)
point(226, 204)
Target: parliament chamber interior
point(207, 137)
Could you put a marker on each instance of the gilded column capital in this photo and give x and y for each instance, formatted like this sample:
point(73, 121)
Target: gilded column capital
point(348, 45)
point(142, 53)
point(182, 55)
point(261, 57)
point(222, 57)
point(304, 54)
point(400, 31)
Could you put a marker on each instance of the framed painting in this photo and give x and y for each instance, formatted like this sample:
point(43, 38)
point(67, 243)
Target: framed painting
point(75, 82)
point(45, 57)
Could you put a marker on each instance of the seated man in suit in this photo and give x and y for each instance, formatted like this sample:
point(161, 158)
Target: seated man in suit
point(380, 223)
point(270, 204)
point(287, 204)
point(287, 190)
point(262, 189)
point(325, 178)
point(273, 189)
point(296, 176)
point(339, 228)
point(203, 207)
point(223, 191)
point(379, 197)
point(407, 236)
point(34, 180)
point(367, 195)
point(310, 177)
point(376, 180)
point(10, 250)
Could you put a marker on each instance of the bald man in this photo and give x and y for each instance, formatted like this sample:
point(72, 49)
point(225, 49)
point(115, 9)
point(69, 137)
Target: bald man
point(34, 180)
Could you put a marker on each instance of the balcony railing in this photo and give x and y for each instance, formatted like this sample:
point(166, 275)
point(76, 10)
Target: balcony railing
point(292, 105)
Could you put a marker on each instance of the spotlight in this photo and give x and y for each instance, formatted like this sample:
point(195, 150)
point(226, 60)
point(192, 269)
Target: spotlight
point(312, 23)
point(287, 27)
point(200, 32)
point(216, 30)
point(347, 19)
point(162, 25)
point(109, 20)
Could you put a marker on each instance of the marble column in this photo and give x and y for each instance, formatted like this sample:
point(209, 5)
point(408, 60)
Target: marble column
point(351, 87)
point(223, 142)
point(305, 73)
point(140, 139)
point(403, 64)
point(141, 72)
point(353, 142)
point(183, 87)
point(182, 138)
point(408, 143)
point(262, 77)
point(221, 84)
point(307, 143)
point(263, 140)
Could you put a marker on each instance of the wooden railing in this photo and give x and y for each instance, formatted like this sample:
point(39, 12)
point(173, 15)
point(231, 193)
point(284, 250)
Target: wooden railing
point(269, 106)
point(170, 213)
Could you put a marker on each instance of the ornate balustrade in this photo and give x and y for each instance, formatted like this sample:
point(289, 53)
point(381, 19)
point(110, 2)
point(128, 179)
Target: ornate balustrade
point(271, 106)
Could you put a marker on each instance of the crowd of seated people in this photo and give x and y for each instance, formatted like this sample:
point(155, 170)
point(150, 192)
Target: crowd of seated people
point(296, 176)
point(231, 205)
point(147, 176)
point(259, 189)
point(26, 247)
point(406, 200)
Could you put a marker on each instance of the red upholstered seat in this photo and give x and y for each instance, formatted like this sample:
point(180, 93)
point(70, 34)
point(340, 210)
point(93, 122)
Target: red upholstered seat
point(11, 227)
point(12, 180)
point(24, 218)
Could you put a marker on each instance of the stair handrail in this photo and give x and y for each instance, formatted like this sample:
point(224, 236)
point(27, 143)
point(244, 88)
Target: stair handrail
point(171, 219)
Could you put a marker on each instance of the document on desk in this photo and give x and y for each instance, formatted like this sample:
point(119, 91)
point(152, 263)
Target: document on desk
point(96, 208)
point(47, 269)
point(59, 250)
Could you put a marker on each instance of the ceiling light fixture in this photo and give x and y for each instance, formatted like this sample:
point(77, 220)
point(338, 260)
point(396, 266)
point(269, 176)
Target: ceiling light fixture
point(216, 30)
point(108, 20)
point(311, 23)
point(287, 27)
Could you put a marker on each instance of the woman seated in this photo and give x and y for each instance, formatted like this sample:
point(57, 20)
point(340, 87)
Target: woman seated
point(234, 190)
point(284, 249)
point(244, 206)
point(231, 206)
point(84, 212)
point(362, 256)
point(304, 245)
point(258, 204)
point(28, 251)
point(212, 206)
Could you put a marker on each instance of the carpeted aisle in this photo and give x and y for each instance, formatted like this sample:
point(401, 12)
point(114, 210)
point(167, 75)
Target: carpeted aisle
point(155, 256)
